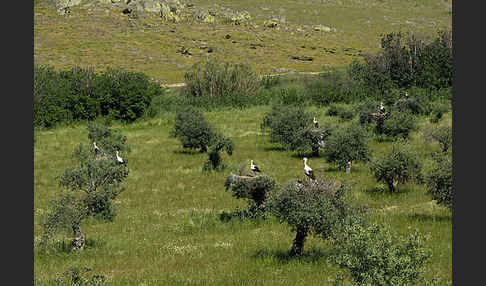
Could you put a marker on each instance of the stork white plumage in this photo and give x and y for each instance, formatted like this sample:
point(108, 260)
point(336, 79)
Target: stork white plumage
point(316, 124)
point(308, 170)
point(348, 167)
point(406, 94)
point(120, 159)
point(382, 107)
point(254, 167)
point(96, 148)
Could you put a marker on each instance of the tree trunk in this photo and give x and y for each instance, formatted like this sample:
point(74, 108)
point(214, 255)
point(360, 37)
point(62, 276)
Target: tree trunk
point(298, 245)
point(391, 187)
point(204, 149)
point(79, 240)
point(315, 150)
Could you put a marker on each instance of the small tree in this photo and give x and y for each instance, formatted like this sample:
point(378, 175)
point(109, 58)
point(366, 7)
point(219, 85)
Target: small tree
point(442, 134)
point(107, 140)
point(400, 124)
point(215, 162)
point(193, 130)
point(396, 167)
point(439, 181)
point(90, 188)
point(348, 145)
point(309, 207)
point(376, 256)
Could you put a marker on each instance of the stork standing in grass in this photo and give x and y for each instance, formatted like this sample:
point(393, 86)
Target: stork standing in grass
point(316, 124)
point(308, 170)
point(254, 167)
point(120, 159)
point(96, 148)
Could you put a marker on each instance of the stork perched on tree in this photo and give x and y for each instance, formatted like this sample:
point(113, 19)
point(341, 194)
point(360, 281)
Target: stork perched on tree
point(96, 148)
point(316, 124)
point(406, 94)
point(254, 167)
point(308, 170)
point(120, 159)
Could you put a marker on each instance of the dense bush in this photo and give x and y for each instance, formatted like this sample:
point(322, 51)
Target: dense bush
point(343, 111)
point(82, 94)
point(347, 145)
point(438, 109)
point(193, 130)
point(400, 124)
point(310, 207)
point(90, 187)
point(376, 256)
point(365, 109)
point(213, 79)
point(285, 122)
point(398, 166)
point(439, 181)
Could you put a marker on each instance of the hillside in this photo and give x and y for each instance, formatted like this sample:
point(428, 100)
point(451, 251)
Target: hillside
point(332, 33)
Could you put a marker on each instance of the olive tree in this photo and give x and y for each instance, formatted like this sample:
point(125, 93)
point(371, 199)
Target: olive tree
point(255, 189)
point(89, 189)
point(293, 128)
point(309, 207)
point(399, 124)
point(398, 166)
point(348, 144)
point(193, 130)
point(441, 134)
point(374, 255)
point(439, 181)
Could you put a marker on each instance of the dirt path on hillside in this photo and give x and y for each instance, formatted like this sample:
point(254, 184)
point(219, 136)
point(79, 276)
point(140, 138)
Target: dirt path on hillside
point(179, 84)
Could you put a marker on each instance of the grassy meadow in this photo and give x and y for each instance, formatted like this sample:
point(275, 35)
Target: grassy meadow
point(101, 36)
point(168, 232)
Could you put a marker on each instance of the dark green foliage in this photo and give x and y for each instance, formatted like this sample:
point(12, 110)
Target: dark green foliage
point(310, 138)
point(285, 122)
point(376, 256)
point(215, 162)
point(332, 86)
point(255, 189)
point(90, 188)
point(213, 79)
point(347, 145)
point(270, 81)
point(309, 207)
point(398, 166)
point(400, 124)
point(125, 95)
point(439, 181)
point(82, 94)
point(193, 130)
point(441, 134)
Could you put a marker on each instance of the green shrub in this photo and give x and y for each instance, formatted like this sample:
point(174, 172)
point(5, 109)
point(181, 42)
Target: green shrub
point(215, 162)
point(398, 166)
point(347, 145)
point(438, 109)
point(439, 181)
point(212, 79)
point(344, 112)
point(309, 207)
point(106, 139)
point(441, 134)
point(285, 122)
point(376, 256)
point(193, 130)
point(365, 109)
point(400, 124)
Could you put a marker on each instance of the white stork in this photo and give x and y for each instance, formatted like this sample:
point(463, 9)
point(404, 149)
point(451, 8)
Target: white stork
point(254, 167)
point(120, 159)
point(308, 170)
point(406, 95)
point(316, 124)
point(348, 168)
point(97, 150)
